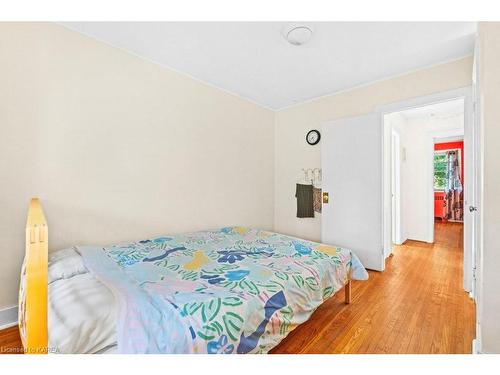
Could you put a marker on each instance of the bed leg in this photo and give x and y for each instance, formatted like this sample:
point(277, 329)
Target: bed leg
point(347, 290)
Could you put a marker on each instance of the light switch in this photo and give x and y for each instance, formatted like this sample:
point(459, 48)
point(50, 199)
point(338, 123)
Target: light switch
point(326, 198)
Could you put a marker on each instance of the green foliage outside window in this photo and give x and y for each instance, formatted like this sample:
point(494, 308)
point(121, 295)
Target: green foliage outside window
point(439, 171)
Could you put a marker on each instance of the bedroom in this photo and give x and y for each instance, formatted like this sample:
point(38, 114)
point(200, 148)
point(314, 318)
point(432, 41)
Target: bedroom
point(133, 134)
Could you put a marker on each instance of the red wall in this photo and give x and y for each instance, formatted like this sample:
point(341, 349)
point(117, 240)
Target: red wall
point(438, 203)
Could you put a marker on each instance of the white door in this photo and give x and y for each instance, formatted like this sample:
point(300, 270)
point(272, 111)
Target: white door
point(469, 190)
point(351, 159)
point(473, 208)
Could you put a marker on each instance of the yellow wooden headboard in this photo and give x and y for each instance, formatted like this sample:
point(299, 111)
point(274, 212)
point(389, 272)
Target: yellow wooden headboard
point(33, 289)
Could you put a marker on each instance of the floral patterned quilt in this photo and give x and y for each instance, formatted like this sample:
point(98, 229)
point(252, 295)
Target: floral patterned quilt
point(233, 290)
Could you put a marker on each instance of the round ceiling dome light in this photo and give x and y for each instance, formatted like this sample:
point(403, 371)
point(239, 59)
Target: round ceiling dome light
point(298, 35)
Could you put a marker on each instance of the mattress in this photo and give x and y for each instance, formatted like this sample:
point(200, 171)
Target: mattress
point(233, 290)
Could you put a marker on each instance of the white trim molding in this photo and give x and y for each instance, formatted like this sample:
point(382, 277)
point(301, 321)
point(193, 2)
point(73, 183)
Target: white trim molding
point(8, 317)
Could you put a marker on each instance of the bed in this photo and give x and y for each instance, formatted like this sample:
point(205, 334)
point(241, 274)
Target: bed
point(229, 290)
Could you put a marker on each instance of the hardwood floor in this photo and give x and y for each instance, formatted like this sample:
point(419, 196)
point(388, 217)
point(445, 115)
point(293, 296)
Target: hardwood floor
point(10, 342)
point(417, 305)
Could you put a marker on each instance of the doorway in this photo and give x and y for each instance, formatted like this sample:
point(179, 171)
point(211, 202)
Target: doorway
point(420, 190)
point(366, 227)
point(369, 179)
point(420, 137)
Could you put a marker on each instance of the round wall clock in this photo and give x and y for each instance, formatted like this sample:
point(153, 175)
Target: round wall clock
point(313, 137)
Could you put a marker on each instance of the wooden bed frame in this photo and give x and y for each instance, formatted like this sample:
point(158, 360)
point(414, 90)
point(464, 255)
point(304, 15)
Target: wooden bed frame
point(33, 290)
point(33, 324)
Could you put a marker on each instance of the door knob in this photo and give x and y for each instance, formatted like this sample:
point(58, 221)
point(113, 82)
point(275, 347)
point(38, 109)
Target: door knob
point(472, 208)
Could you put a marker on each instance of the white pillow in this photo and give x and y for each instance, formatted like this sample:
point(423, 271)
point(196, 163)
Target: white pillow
point(82, 315)
point(64, 264)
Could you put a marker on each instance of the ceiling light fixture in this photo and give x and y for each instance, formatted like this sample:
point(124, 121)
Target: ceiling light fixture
point(298, 35)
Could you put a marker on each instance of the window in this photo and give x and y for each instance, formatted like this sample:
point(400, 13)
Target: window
point(439, 170)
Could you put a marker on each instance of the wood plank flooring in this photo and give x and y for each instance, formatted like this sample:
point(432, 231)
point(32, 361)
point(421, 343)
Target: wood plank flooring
point(10, 342)
point(417, 305)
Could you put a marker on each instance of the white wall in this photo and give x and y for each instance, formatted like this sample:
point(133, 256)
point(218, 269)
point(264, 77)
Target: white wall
point(415, 171)
point(292, 124)
point(489, 33)
point(118, 148)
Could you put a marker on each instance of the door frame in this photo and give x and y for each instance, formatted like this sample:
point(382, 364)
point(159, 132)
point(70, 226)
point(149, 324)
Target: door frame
point(396, 236)
point(464, 93)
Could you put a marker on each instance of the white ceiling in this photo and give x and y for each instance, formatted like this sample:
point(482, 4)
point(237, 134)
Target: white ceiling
point(441, 110)
point(254, 61)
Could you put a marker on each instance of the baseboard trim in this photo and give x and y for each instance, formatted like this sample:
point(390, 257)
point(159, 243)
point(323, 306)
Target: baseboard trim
point(8, 317)
point(476, 346)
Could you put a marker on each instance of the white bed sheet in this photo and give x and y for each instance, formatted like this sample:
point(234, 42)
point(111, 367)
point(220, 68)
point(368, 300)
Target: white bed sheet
point(82, 310)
